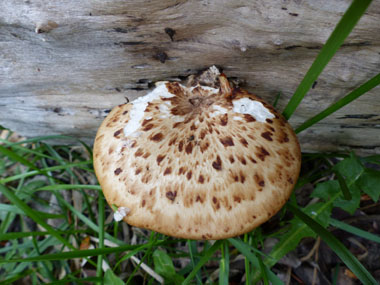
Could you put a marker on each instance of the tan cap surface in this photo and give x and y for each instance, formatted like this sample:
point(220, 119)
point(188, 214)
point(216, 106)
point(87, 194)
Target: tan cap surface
point(197, 162)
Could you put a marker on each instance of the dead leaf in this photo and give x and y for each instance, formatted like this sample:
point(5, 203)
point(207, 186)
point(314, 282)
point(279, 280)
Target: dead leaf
point(85, 244)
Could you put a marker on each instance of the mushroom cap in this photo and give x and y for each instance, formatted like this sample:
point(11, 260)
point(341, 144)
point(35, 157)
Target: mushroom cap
point(197, 162)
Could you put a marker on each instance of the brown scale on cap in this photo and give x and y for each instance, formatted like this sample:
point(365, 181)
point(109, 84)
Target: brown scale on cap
point(194, 167)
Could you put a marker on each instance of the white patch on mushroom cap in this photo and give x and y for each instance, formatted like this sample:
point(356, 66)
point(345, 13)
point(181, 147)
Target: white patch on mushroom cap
point(164, 108)
point(236, 118)
point(136, 134)
point(139, 105)
point(218, 111)
point(207, 88)
point(254, 108)
point(121, 213)
point(178, 119)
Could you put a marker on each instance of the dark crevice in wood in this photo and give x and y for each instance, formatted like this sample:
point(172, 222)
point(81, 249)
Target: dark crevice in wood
point(367, 147)
point(359, 116)
point(361, 126)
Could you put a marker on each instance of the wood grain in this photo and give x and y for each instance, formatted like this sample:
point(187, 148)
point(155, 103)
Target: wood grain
point(64, 64)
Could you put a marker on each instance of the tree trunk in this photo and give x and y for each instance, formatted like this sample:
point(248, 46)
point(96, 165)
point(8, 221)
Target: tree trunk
point(64, 64)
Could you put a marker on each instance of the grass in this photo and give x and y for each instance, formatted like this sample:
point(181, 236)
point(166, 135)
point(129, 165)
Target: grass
point(336, 39)
point(57, 229)
point(82, 229)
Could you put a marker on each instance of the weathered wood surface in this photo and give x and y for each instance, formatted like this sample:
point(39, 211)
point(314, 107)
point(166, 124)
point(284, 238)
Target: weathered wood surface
point(64, 64)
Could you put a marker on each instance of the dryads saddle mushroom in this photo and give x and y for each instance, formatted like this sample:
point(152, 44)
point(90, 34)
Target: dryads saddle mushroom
point(200, 161)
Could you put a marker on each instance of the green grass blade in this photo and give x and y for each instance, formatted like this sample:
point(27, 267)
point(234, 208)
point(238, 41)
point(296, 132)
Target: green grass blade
point(35, 172)
point(224, 265)
point(13, 279)
point(15, 157)
point(372, 83)
point(263, 270)
point(354, 230)
point(74, 179)
point(25, 149)
point(31, 214)
point(206, 257)
point(44, 215)
point(345, 255)
point(336, 39)
point(372, 159)
point(336, 275)
point(86, 220)
point(152, 242)
point(131, 253)
point(27, 245)
point(10, 236)
point(99, 269)
point(69, 187)
point(88, 280)
point(343, 186)
point(74, 254)
point(246, 251)
point(192, 244)
point(247, 264)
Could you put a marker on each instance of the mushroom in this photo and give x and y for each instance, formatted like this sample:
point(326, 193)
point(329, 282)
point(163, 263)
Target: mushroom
point(203, 160)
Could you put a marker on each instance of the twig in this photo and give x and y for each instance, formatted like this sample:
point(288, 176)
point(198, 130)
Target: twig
point(288, 275)
point(148, 270)
point(312, 251)
point(361, 246)
point(145, 267)
point(316, 261)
